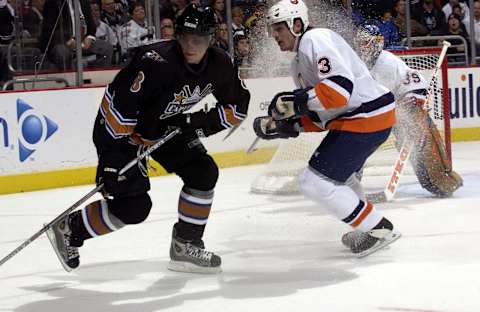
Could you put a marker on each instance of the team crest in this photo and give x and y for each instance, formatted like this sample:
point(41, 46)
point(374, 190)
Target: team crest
point(185, 99)
point(137, 83)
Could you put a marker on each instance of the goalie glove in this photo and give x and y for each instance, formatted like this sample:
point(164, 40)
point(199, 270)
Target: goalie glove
point(268, 129)
point(287, 105)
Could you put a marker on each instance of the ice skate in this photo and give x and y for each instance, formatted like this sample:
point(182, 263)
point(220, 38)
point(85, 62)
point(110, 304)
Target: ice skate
point(363, 244)
point(191, 256)
point(60, 236)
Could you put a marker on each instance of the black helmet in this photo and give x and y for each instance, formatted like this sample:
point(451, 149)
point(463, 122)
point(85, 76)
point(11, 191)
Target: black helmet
point(196, 20)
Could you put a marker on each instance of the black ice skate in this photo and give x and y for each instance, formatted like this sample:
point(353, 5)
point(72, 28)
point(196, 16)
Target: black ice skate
point(60, 236)
point(191, 256)
point(363, 244)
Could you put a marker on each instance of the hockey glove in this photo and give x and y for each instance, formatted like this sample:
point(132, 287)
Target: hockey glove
point(112, 182)
point(268, 129)
point(286, 105)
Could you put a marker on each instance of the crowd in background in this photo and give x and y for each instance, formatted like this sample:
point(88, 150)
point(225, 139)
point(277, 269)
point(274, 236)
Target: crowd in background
point(110, 29)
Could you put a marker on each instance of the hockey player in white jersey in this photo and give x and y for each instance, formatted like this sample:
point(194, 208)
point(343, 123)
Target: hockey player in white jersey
point(413, 122)
point(336, 94)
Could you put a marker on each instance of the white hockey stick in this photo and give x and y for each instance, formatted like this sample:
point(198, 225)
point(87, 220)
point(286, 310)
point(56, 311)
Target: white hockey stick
point(399, 167)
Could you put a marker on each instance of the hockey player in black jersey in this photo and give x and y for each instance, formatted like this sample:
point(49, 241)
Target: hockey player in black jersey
point(145, 100)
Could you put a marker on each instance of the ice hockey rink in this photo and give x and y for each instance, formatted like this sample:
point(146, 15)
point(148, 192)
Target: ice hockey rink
point(279, 254)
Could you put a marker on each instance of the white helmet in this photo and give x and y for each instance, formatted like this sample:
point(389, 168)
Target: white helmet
point(287, 11)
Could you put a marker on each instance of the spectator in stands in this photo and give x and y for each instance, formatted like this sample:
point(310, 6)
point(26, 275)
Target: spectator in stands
point(178, 6)
point(32, 18)
point(401, 22)
point(448, 9)
point(258, 13)
point(431, 16)
point(7, 35)
point(136, 31)
point(476, 24)
point(112, 15)
point(454, 27)
point(237, 21)
point(219, 10)
point(357, 16)
point(220, 39)
point(388, 29)
point(167, 28)
point(242, 50)
point(60, 49)
point(104, 35)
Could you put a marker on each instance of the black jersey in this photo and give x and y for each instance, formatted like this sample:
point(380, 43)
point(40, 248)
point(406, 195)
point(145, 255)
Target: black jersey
point(158, 85)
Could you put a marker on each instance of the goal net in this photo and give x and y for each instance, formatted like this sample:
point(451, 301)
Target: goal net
point(280, 175)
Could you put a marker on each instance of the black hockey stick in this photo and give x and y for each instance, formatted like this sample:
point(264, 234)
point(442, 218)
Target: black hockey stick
point(132, 163)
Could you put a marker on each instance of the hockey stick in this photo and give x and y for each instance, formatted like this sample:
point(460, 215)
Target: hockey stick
point(132, 163)
point(399, 167)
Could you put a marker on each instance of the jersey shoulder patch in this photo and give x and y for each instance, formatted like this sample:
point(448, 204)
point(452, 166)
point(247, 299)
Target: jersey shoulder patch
point(137, 82)
point(154, 56)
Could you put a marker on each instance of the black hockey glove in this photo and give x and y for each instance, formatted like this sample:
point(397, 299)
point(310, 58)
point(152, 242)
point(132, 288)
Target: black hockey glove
point(268, 129)
point(112, 182)
point(286, 105)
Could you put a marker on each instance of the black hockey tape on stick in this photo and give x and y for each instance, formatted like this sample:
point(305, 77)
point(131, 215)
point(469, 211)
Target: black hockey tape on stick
point(47, 226)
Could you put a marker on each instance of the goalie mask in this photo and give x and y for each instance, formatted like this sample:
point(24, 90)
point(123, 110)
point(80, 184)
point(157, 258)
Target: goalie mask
point(369, 44)
point(288, 11)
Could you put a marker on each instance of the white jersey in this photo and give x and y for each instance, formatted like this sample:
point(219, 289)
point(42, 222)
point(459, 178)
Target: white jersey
point(393, 73)
point(344, 95)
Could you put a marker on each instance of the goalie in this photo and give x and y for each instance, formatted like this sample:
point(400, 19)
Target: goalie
point(429, 159)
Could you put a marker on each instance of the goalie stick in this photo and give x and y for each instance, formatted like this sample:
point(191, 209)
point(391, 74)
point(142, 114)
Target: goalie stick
point(47, 226)
point(404, 154)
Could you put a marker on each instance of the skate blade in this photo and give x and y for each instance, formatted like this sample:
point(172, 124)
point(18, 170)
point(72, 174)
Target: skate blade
point(390, 238)
point(51, 238)
point(187, 267)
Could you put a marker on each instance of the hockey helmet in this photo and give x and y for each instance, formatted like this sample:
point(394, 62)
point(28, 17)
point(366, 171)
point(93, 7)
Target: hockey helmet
point(369, 43)
point(288, 11)
point(197, 20)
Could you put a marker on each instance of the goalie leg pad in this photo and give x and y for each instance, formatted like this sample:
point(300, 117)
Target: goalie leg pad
point(429, 158)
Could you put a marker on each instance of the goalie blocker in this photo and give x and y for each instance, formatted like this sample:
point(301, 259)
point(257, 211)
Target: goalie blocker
point(428, 158)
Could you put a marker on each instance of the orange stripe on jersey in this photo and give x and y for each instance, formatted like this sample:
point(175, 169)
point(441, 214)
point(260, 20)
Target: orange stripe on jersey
point(94, 216)
point(113, 123)
point(191, 210)
point(369, 124)
point(231, 118)
point(363, 215)
point(309, 126)
point(329, 97)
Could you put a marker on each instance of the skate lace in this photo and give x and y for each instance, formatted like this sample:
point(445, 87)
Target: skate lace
point(198, 253)
point(72, 252)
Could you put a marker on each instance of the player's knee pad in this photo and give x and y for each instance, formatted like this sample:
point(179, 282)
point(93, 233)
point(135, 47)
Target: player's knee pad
point(333, 196)
point(354, 183)
point(131, 210)
point(201, 174)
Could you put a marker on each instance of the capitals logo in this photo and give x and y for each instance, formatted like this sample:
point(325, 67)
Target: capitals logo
point(185, 99)
point(33, 129)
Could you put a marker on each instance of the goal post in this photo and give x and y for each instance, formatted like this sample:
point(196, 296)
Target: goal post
point(280, 175)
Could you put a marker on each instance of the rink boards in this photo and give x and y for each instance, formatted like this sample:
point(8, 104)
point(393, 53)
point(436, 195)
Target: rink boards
point(45, 135)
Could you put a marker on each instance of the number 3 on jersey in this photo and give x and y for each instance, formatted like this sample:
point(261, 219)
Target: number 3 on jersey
point(324, 65)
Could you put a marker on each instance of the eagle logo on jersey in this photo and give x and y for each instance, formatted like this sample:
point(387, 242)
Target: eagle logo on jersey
point(137, 83)
point(154, 55)
point(185, 99)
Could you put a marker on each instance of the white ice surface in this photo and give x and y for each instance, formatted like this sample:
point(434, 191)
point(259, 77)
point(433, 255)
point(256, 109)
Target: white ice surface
point(279, 254)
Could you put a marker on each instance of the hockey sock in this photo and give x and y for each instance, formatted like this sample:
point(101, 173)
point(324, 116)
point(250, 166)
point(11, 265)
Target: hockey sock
point(97, 219)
